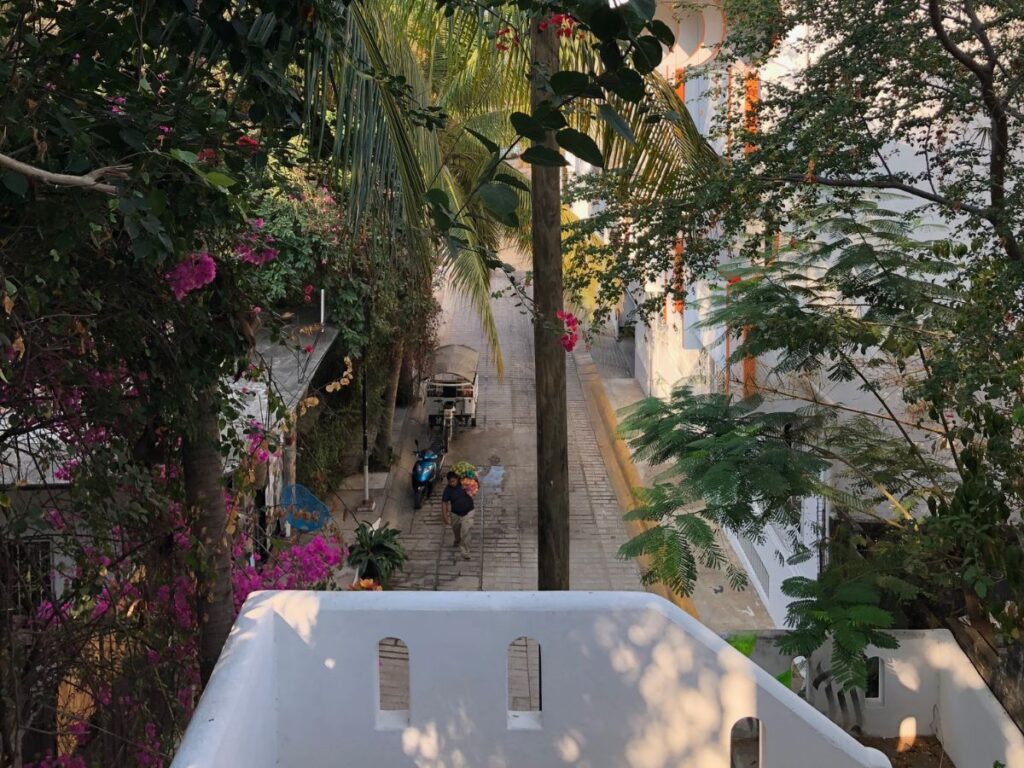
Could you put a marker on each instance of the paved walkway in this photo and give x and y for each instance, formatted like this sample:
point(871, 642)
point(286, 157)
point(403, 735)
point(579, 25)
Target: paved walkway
point(503, 446)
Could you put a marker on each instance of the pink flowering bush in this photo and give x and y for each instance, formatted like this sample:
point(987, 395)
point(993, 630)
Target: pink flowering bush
point(313, 565)
point(196, 271)
point(144, 604)
point(255, 245)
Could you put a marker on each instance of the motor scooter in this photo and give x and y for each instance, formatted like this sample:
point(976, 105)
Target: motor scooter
point(424, 473)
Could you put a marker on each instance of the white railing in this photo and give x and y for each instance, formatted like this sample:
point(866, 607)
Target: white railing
point(627, 680)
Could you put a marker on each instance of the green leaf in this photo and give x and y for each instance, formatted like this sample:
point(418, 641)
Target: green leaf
point(548, 115)
point(581, 145)
point(16, 183)
point(512, 181)
point(219, 179)
point(543, 156)
point(647, 54)
point(490, 145)
point(437, 197)
point(611, 55)
point(616, 123)
point(499, 198)
point(625, 83)
point(189, 158)
point(569, 82)
point(528, 126)
point(870, 614)
point(661, 31)
point(606, 23)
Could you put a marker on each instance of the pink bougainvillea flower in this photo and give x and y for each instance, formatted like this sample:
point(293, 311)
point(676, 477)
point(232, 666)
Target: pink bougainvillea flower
point(257, 310)
point(64, 471)
point(79, 730)
point(55, 519)
point(164, 129)
point(249, 144)
point(197, 270)
point(208, 156)
point(570, 337)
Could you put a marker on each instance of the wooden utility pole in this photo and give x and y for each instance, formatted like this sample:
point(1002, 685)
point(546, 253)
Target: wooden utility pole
point(549, 356)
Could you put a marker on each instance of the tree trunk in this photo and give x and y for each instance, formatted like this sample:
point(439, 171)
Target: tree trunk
point(382, 448)
point(549, 357)
point(407, 380)
point(204, 494)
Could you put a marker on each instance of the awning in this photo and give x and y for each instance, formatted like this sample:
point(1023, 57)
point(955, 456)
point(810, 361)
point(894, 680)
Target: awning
point(454, 362)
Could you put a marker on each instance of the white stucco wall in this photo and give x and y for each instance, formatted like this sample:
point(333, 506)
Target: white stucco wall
point(928, 687)
point(767, 561)
point(627, 680)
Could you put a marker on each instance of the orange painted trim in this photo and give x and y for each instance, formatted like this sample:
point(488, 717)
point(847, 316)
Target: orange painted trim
point(751, 99)
point(749, 372)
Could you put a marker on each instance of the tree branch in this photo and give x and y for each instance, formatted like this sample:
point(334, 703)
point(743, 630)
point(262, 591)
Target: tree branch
point(935, 15)
point(90, 180)
point(889, 183)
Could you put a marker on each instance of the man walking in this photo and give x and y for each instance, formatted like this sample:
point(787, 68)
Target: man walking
point(457, 511)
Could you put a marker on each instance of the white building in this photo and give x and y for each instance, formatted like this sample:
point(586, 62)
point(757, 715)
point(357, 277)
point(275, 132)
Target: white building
point(672, 347)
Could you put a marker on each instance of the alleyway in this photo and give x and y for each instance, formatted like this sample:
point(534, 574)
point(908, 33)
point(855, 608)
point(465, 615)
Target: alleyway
point(502, 445)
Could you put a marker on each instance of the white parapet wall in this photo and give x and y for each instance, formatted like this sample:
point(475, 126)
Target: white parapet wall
point(627, 680)
point(927, 687)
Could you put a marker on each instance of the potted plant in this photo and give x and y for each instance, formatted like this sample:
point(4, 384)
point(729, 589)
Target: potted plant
point(377, 553)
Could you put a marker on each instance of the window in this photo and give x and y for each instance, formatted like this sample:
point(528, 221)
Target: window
point(873, 692)
point(745, 744)
point(392, 684)
point(525, 700)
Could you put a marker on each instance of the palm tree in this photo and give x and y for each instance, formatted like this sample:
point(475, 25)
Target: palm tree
point(455, 63)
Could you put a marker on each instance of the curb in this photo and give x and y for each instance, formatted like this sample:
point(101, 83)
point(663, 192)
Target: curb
point(622, 472)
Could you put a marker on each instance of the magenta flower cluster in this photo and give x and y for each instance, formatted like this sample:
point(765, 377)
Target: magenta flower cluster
point(255, 246)
point(570, 337)
point(196, 271)
point(303, 566)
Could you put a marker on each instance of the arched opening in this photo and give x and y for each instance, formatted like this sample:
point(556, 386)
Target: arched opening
point(873, 691)
point(525, 693)
point(745, 744)
point(392, 683)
